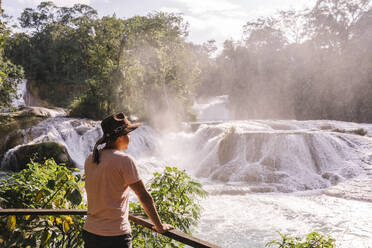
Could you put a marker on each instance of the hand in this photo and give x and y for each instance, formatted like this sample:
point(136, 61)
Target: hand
point(163, 228)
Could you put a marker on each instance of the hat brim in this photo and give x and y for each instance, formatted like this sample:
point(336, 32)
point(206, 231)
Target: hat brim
point(132, 127)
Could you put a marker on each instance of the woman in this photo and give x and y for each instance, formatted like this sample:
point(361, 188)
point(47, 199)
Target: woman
point(109, 173)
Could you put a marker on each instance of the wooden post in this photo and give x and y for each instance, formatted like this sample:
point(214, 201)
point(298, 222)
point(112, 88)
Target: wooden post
point(173, 234)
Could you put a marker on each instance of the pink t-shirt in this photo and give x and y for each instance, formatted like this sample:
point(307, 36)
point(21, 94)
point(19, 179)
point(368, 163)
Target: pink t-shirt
point(107, 190)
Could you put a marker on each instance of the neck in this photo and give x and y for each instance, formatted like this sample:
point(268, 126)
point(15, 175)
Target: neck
point(111, 145)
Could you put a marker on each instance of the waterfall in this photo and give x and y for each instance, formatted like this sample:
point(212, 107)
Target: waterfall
point(268, 156)
point(79, 137)
point(214, 108)
point(267, 176)
point(22, 94)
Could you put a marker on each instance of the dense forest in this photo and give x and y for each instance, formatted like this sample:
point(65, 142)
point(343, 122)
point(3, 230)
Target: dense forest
point(309, 64)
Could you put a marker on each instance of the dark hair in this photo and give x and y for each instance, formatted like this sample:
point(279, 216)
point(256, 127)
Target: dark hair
point(105, 139)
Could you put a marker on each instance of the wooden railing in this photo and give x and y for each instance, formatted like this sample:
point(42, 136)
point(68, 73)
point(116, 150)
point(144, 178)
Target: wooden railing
point(173, 234)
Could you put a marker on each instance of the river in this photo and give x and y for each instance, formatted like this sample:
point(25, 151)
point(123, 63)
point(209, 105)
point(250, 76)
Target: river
point(263, 176)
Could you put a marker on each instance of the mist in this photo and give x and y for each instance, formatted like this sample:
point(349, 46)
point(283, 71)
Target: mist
point(309, 64)
point(158, 79)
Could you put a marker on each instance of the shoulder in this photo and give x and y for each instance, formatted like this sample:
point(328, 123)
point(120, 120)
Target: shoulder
point(128, 167)
point(89, 159)
point(124, 157)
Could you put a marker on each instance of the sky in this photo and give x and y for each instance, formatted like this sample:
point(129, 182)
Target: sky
point(208, 19)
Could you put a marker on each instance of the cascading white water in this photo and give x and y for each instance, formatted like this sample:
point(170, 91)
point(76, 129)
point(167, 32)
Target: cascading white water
point(316, 175)
point(239, 160)
point(268, 159)
point(21, 93)
point(214, 108)
point(79, 137)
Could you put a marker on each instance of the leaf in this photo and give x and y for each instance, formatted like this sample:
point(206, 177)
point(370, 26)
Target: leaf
point(58, 220)
point(66, 226)
point(75, 197)
point(50, 220)
point(68, 219)
point(61, 177)
point(38, 196)
point(45, 237)
point(11, 222)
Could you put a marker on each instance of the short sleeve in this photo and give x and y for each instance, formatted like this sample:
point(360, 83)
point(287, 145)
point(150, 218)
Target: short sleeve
point(129, 171)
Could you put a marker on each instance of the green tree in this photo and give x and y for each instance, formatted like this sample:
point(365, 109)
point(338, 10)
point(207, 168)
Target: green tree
point(54, 50)
point(155, 71)
point(141, 65)
point(10, 74)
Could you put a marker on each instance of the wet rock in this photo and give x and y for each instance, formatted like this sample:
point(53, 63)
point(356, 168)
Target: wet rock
point(81, 130)
point(333, 178)
point(11, 140)
point(12, 129)
point(43, 112)
point(17, 159)
point(227, 148)
point(14, 125)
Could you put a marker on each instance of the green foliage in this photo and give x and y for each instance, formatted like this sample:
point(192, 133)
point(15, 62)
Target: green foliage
point(154, 70)
point(313, 240)
point(55, 50)
point(46, 185)
point(97, 66)
point(87, 106)
point(176, 196)
point(10, 74)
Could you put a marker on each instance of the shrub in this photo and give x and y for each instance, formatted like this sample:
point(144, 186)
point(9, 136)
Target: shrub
point(176, 197)
point(313, 240)
point(49, 185)
point(46, 185)
point(88, 106)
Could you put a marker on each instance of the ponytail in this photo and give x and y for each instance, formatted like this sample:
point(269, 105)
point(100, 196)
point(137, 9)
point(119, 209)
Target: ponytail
point(104, 139)
point(95, 149)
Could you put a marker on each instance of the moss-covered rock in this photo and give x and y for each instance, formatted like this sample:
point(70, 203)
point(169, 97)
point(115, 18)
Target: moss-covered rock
point(12, 126)
point(11, 140)
point(18, 159)
point(17, 120)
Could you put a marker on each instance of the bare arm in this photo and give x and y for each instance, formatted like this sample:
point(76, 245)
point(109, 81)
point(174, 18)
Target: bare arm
point(149, 206)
